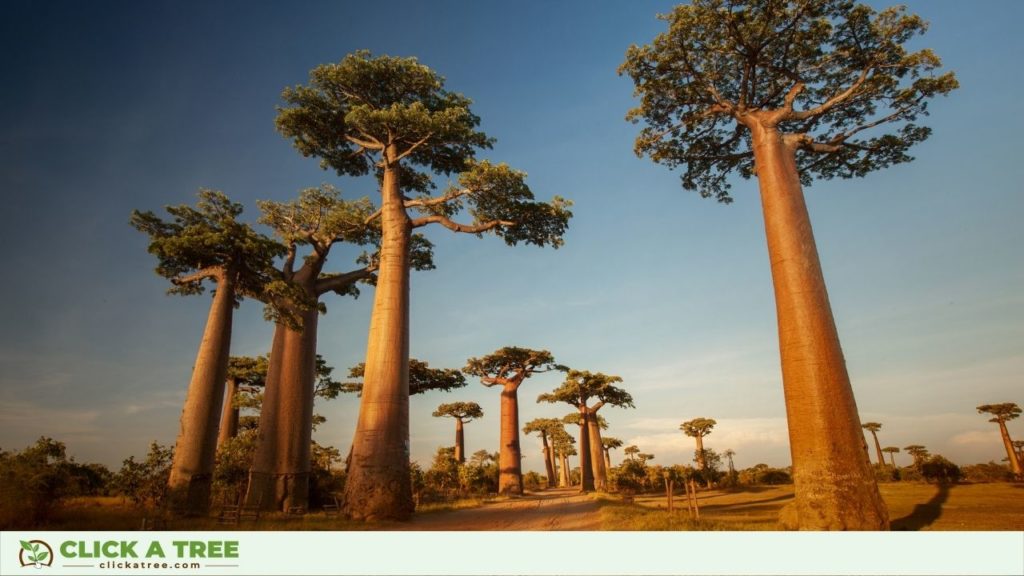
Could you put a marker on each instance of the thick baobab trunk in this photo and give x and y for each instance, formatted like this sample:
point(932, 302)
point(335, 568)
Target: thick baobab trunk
point(597, 453)
point(279, 478)
point(1011, 454)
point(892, 460)
point(586, 468)
point(229, 415)
point(549, 462)
point(510, 473)
point(378, 486)
point(196, 448)
point(607, 459)
point(563, 471)
point(878, 450)
point(835, 485)
point(460, 442)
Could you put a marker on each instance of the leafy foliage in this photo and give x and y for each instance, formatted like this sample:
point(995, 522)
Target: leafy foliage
point(464, 411)
point(826, 73)
point(698, 427)
point(510, 365)
point(1000, 412)
point(205, 239)
point(145, 483)
point(941, 470)
point(422, 378)
point(34, 481)
point(582, 385)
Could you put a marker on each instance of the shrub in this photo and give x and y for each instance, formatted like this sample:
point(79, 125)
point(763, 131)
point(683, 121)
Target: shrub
point(146, 482)
point(990, 472)
point(533, 481)
point(33, 482)
point(938, 469)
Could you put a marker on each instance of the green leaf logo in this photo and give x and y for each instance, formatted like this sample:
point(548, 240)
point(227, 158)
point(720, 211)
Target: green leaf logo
point(33, 553)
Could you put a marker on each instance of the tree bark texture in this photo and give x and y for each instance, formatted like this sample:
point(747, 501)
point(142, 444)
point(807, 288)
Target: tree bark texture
point(229, 415)
point(835, 485)
point(878, 450)
point(282, 461)
point(510, 462)
point(1011, 454)
point(586, 468)
point(195, 451)
point(607, 459)
point(597, 453)
point(701, 462)
point(563, 472)
point(549, 463)
point(378, 486)
point(460, 442)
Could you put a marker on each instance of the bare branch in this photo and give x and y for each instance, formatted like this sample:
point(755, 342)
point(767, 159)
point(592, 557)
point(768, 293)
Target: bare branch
point(371, 144)
point(457, 227)
point(415, 145)
point(211, 272)
point(833, 101)
point(332, 283)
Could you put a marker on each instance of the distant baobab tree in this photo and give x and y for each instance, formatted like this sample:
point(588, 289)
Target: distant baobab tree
point(597, 452)
point(1001, 413)
point(891, 451)
point(544, 426)
point(918, 452)
point(462, 412)
point(609, 443)
point(874, 427)
point(509, 367)
point(206, 243)
point(1018, 445)
point(788, 91)
point(579, 387)
point(562, 443)
point(631, 451)
point(697, 429)
point(245, 373)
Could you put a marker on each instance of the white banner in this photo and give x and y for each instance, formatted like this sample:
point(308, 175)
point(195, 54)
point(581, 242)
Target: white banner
point(511, 553)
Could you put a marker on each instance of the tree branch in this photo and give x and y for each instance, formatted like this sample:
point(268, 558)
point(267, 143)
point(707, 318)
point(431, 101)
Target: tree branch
point(215, 272)
point(372, 144)
point(334, 283)
point(457, 227)
point(434, 201)
point(833, 101)
point(415, 145)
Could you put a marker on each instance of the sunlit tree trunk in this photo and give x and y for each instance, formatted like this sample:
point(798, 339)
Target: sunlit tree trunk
point(510, 476)
point(597, 453)
point(878, 449)
point(260, 491)
point(835, 485)
point(1011, 454)
point(229, 414)
point(607, 459)
point(549, 464)
point(563, 472)
point(196, 448)
point(701, 463)
point(460, 442)
point(378, 484)
point(586, 468)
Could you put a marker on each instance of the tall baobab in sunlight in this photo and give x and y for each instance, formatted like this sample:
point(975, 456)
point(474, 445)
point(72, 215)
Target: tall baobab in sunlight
point(206, 243)
point(891, 451)
point(609, 443)
point(729, 453)
point(244, 373)
point(562, 445)
point(788, 91)
point(579, 387)
point(315, 222)
point(543, 426)
point(509, 367)
point(392, 117)
point(1001, 413)
point(874, 427)
point(697, 429)
point(462, 413)
point(597, 452)
point(1018, 445)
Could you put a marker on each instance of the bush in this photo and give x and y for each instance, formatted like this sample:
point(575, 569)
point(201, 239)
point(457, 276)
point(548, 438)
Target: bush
point(938, 469)
point(146, 482)
point(33, 482)
point(533, 481)
point(990, 472)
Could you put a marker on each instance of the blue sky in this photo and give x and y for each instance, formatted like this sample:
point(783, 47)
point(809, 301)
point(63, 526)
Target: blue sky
point(109, 107)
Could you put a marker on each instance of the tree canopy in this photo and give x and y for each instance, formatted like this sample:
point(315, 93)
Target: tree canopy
point(199, 243)
point(828, 74)
point(582, 385)
point(510, 365)
point(698, 427)
point(464, 411)
point(1000, 412)
point(422, 378)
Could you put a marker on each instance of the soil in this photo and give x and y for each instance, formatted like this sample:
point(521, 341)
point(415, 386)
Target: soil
point(553, 509)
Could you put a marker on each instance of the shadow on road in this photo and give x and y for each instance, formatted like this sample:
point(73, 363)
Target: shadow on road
point(923, 515)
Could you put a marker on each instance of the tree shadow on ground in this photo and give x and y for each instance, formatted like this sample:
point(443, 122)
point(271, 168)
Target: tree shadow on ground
point(924, 515)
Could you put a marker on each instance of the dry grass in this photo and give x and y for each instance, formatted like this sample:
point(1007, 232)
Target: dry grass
point(912, 506)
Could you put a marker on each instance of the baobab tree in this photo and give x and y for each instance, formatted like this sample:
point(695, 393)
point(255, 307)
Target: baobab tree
point(462, 412)
point(788, 91)
point(509, 367)
point(631, 451)
point(874, 427)
point(389, 115)
point(1001, 413)
point(609, 443)
point(315, 222)
point(697, 429)
point(422, 378)
point(200, 244)
point(562, 444)
point(729, 453)
point(543, 426)
point(597, 452)
point(579, 387)
point(1018, 445)
point(891, 451)
point(245, 373)
point(918, 452)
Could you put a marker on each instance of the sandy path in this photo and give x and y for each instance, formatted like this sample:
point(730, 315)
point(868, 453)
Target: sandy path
point(555, 509)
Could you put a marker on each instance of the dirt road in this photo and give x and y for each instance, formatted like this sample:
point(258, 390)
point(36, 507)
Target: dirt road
point(554, 509)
